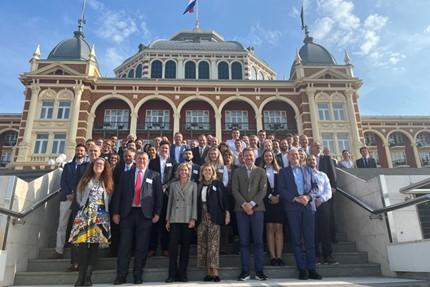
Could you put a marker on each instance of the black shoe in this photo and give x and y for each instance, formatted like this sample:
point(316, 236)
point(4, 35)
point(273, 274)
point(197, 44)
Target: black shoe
point(330, 260)
point(314, 275)
point(216, 279)
point(303, 275)
point(138, 280)
point(183, 279)
point(120, 280)
point(208, 278)
point(319, 260)
point(244, 276)
point(281, 262)
point(274, 262)
point(170, 280)
point(81, 277)
point(88, 275)
point(260, 276)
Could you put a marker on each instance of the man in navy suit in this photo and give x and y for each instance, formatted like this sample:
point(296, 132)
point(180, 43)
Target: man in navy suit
point(366, 161)
point(177, 149)
point(200, 152)
point(194, 168)
point(166, 167)
point(296, 191)
point(135, 208)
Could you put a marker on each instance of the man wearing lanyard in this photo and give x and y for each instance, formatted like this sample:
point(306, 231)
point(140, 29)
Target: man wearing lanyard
point(296, 191)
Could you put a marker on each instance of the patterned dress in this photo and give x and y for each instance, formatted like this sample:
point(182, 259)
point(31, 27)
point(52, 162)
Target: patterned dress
point(92, 224)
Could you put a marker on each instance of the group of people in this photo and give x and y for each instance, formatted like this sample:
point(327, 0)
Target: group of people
point(141, 198)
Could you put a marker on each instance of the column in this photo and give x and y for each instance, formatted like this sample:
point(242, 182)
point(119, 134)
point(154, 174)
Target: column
point(416, 154)
point(313, 109)
point(214, 74)
point(90, 125)
point(388, 153)
point(133, 123)
point(74, 121)
point(218, 127)
point(356, 143)
point(259, 121)
point(180, 69)
point(176, 122)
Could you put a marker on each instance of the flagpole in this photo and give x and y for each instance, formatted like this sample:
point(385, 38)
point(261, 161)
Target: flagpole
point(197, 26)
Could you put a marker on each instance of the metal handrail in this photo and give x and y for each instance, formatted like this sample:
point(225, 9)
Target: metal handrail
point(35, 206)
point(386, 209)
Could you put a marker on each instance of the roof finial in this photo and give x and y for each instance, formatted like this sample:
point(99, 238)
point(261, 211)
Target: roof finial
point(36, 53)
point(347, 59)
point(93, 53)
point(308, 39)
point(298, 58)
point(81, 21)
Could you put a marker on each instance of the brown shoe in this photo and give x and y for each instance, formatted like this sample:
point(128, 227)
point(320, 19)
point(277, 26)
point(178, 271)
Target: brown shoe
point(73, 268)
point(56, 255)
point(151, 253)
point(331, 261)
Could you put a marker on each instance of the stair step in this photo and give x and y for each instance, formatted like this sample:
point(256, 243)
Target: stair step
point(194, 274)
point(37, 265)
point(340, 246)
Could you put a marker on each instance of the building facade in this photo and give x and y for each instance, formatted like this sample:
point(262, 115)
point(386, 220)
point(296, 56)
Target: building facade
point(198, 83)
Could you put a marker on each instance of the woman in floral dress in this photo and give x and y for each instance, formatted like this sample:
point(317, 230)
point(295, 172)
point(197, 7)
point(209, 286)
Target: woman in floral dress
point(91, 226)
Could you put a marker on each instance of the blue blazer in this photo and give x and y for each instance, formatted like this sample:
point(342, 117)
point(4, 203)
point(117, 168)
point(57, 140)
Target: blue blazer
point(287, 188)
point(69, 180)
point(151, 194)
point(181, 151)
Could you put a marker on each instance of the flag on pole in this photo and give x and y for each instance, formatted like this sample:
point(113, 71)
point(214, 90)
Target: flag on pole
point(302, 17)
point(190, 7)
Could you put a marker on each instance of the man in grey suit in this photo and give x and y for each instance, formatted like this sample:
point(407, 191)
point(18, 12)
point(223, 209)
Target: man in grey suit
point(249, 187)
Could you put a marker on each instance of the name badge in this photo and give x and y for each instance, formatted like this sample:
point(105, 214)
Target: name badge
point(214, 188)
point(275, 172)
point(195, 171)
point(169, 164)
point(220, 170)
point(149, 180)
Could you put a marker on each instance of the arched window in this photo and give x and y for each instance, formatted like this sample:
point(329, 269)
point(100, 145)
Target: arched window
point(204, 70)
point(170, 70)
point(156, 69)
point(253, 73)
point(223, 73)
point(190, 70)
point(130, 74)
point(139, 71)
point(236, 71)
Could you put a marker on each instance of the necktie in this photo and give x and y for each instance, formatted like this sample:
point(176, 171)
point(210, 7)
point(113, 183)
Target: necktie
point(138, 189)
point(365, 162)
point(201, 152)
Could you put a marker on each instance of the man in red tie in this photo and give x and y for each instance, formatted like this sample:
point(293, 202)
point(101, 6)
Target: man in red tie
point(135, 207)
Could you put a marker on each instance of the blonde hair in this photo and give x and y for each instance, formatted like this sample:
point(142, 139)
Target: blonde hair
point(182, 166)
point(214, 174)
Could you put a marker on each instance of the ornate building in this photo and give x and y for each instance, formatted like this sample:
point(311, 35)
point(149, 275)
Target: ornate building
point(197, 83)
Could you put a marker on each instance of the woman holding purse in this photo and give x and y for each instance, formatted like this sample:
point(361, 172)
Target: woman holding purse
point(91, 226)
point(212, 212)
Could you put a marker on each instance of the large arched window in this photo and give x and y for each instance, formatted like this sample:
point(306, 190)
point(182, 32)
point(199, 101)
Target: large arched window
point(223, 73)
point(236, 71)
point(170, 70)
point(204, 70)
point(190, 70)
point(139, 71)
point(156, 69)
point(130, 74)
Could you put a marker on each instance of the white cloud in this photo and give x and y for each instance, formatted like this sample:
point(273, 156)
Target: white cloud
point(95, 4)
point(113, 57)
point(427, 29)
point(323, 27)
point(394, 58)
point(117, 26)
point(371, 40)
point(341, 11)
point(260, 35)
point(375, 22)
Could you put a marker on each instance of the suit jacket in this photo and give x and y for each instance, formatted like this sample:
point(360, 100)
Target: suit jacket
point(327, 166)
point(195, 173)
point(246, 189)
point(371, 163)
point(196, 155)
point(215, 202)
point(118, 171)
point(151, 194)
point(271, 191)
point(69, 180)
point(287, 188)
point(182, 204)
point(181, 152)
point(169, 170)
point(280, 161)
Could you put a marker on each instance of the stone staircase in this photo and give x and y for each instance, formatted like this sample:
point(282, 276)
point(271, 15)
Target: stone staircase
point(45, 271)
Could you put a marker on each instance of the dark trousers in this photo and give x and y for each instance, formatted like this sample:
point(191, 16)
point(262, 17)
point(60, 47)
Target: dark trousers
point(254, 225)
point(87, 254)
point(133, 228)
point(302, 223)
point(179, 234)
point(159, 230)
point(323, 232)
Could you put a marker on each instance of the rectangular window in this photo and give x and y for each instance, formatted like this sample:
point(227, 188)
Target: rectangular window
point(157, 120)
point(63, 110)
point(116, 119)
point(396, 139)
point(343, 141)
point(41, 144)
point(425, 158)
point(338, 111)
point(47, 110)
point(328, 141)
point(398, 158)
point(370, 139)
point(324, 112)
point(59, 143)
point(10, 138)
point(197, 120)
point(275, 120)
point(423, 139)
point(236, 119)
point(6, 157)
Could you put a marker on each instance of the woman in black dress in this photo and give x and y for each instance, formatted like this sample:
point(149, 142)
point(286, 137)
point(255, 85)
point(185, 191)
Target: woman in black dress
point(274, 216)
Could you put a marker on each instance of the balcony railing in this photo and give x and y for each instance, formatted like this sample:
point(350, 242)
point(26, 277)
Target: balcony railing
point(278, 127)
point(9, 143)
point(154, 126)
point(114, 126)
point(242, 126)
point(202, 126)
point(397, 163)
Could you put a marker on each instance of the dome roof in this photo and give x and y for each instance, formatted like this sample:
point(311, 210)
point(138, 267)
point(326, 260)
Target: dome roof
point(75, 48)
point(314, 54)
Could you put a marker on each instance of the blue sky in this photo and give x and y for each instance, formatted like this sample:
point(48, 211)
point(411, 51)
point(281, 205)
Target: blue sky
point(388, 41)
